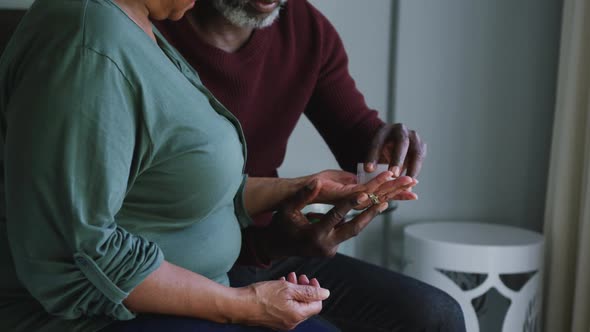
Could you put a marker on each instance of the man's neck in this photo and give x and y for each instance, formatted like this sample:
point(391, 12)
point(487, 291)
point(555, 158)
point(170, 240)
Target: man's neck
point(214, 29)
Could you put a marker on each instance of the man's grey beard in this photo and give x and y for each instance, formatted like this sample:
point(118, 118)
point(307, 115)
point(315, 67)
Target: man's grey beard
point(236, 12)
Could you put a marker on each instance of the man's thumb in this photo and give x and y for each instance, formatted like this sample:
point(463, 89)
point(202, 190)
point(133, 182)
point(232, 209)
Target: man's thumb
point(306, 195)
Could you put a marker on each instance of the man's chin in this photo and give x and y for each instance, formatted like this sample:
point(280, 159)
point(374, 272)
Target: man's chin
point(264, 7)
point(247, 15)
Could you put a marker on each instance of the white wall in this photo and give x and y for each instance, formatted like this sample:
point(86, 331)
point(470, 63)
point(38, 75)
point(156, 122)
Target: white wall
point(477, 78)
point(365, 28)
point(10, 4)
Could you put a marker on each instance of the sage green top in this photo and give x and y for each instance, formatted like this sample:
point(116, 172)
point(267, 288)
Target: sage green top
point(114, 157)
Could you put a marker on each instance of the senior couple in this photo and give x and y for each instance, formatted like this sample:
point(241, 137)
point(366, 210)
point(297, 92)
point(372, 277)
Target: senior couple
point(125, 196)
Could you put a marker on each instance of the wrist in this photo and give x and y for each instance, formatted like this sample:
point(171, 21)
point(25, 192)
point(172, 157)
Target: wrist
point(240, 307)
point(292, 185)
point(299, 183)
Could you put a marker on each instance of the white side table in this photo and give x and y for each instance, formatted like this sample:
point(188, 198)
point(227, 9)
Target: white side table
point(435, 248)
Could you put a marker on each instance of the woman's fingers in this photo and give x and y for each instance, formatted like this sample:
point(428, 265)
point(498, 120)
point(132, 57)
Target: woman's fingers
point(308, 293)
point(292, 278)
point(303, 280)
point(283, 306)
point(314, 282)
point(378, 181)
point(405, 196)
point(389, 190)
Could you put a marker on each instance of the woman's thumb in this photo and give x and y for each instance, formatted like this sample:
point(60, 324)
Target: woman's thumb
point(308, 293)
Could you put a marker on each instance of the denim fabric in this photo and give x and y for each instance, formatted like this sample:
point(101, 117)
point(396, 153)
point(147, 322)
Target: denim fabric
point(365, 297)
point(156, 323)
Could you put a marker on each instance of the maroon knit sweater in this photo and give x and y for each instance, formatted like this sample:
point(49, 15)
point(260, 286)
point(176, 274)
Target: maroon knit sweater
point(297, 65)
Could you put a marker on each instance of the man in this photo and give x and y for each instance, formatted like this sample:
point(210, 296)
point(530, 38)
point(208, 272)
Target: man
point(268, 62)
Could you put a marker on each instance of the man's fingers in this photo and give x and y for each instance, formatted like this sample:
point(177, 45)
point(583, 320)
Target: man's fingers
point(339, 211)
point(376, 147)
point(304, 196)
point(400, 147)
point(400, 137)
point(356, 225)
point(416, 155)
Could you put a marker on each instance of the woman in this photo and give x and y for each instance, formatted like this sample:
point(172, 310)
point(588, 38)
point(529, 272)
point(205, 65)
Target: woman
point(123, 182)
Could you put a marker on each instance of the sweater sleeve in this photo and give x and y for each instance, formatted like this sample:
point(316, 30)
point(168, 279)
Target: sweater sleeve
point(337, 108)
point(70, 147)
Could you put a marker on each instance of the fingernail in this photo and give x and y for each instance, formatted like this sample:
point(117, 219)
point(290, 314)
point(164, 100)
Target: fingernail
point(363, 198)
point(324, 293)
point(370, 167)
point(395, 171)
point(383, 207)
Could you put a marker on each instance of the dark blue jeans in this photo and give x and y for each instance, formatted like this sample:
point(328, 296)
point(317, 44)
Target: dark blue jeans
point(156, 323)
point(365, 297)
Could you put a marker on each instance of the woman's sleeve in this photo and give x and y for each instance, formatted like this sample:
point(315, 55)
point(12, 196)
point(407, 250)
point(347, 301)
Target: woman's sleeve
point(70, 150)
point(248, 253)
point(240, 206)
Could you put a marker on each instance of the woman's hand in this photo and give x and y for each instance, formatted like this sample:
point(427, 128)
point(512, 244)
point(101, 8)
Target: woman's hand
point(267, 194)
point(283, 304)
point(336, 185)
point(302, 280)
point(386, 189)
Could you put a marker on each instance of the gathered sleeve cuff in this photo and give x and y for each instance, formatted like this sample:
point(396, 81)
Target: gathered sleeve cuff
point(240, 207)
point(70, 155)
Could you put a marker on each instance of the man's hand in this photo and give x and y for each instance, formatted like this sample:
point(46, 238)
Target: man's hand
point(399, 147)
point(291, 234)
